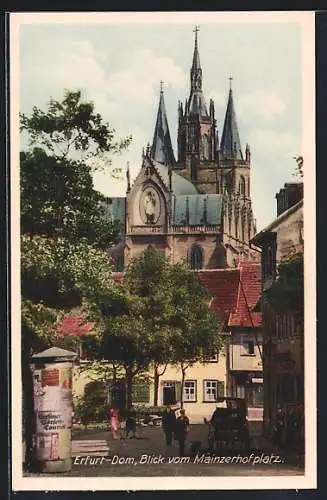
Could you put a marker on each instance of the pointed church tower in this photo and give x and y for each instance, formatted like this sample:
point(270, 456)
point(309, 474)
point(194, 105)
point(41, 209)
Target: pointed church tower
point(230, 146)
point(234, 178)
point(234, 168)
point(162, 149)
point(197, 130)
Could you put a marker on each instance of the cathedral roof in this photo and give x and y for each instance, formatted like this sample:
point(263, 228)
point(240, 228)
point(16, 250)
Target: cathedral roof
point(162, 149)
point(115, 209)
point(197, 210)
point(197, 105)
point(230, 145)
point(180, 185)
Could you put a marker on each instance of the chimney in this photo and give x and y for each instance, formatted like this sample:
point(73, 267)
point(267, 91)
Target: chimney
point(289, 195)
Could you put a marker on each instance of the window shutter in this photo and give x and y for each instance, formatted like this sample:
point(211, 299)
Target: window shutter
point(178, 387)
point(221, 389)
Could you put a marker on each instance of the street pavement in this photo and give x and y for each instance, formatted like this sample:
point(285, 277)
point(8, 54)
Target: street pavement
point(96, 453)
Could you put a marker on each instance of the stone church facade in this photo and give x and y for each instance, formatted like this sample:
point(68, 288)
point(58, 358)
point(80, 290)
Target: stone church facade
point(196, 207)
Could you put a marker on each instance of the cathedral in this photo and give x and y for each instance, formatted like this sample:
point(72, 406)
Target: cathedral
point(195, 205)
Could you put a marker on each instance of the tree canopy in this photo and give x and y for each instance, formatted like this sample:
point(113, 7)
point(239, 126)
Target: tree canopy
point(65, 233)
point(167, 320)
point(287, 292)
point(71, 128)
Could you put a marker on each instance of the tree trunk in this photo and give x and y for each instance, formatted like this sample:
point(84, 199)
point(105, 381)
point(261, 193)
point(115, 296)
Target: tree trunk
point(155, 386)
point(128, 382)
point(182, 385)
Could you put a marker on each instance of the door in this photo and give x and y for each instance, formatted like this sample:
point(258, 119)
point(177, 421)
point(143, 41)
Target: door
point(169, 395)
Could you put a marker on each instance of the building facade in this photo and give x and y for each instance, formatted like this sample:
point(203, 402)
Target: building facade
point(282, 242)
point(235, 371)
point(197, 207)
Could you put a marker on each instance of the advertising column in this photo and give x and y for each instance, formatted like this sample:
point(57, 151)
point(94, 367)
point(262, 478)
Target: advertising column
point(52, 383)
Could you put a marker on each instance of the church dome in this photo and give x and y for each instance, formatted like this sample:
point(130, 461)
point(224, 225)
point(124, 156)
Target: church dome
point(180, 185)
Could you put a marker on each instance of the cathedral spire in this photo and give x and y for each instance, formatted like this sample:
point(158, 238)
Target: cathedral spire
point(196, 65)
point(162, 149)
point(196, 103)
point(230, 145)
point(196, 71)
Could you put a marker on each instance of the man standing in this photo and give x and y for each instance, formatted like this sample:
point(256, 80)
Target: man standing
point(169, 424)
point(181, 431)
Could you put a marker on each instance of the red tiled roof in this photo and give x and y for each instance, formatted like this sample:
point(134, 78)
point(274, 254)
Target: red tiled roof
point(229, 288)
point(248, 294)
point(223, 285)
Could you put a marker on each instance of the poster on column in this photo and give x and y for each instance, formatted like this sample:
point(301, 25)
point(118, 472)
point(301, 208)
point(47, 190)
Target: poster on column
point(53, 409)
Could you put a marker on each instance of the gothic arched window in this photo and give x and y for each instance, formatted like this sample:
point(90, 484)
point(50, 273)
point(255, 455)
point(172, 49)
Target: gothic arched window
point(195, 257)
point(205, 147)
point(242, 186)
point(243, 223)
point(193, 171)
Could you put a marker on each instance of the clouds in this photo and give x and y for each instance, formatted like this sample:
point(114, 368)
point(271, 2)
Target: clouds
point(268, 143)
point(120, 68)
point(260, 104)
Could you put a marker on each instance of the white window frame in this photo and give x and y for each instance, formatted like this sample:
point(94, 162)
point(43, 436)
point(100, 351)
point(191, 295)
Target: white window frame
point(209, 386)
point(207, 358)
point(189, 392)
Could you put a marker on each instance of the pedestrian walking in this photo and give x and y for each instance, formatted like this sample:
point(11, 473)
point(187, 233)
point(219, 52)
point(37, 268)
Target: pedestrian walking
point(181, 431)
point(169, 424)
point(114, 422)
point(131, 423)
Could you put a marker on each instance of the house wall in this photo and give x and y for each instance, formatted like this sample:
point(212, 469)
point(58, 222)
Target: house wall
point(289, 235)
point(283, 342)
point(239, 359)
point(199, 372)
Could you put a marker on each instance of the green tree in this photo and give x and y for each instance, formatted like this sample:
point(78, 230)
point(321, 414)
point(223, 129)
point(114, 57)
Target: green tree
point(148, 278)
point(287, 292)
point(196, 329)
point(72, 128)
point(64, 232)
point(67, 141)
point(167, 319)
point(58, 199)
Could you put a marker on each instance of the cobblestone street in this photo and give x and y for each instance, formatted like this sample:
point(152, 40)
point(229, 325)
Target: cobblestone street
point(97, 454)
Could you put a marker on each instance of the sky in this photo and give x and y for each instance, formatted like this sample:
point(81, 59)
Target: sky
point(119, 67)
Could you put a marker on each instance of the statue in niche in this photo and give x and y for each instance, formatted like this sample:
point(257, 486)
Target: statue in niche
point(150, 207)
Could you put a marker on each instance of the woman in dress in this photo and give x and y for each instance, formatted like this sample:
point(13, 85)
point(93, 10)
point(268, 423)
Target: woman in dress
point(114, 422)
